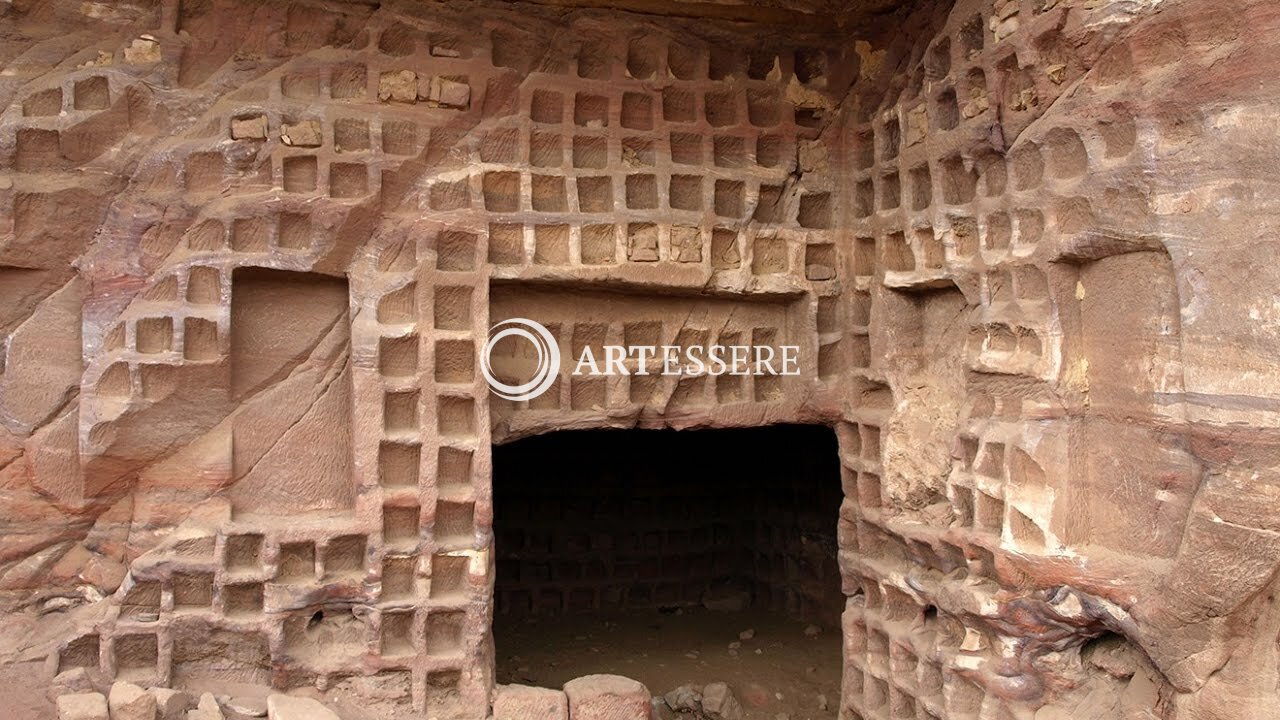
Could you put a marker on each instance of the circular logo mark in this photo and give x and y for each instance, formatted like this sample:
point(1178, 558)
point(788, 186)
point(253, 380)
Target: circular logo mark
point(548, 359)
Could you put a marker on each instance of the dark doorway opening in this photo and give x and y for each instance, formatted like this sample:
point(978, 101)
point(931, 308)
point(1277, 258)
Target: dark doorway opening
point(673, 558)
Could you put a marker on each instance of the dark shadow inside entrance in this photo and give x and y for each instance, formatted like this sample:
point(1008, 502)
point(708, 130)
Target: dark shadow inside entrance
point(673, 558)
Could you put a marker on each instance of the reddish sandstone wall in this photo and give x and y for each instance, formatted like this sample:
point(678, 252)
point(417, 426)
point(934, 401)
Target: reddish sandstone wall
point(248, 252)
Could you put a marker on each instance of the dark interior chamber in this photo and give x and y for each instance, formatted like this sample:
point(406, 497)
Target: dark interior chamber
point(637, 522)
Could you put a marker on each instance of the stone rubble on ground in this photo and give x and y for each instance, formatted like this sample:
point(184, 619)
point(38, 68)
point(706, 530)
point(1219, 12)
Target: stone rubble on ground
point(76, 681)
point(686, 698)
point(719, 702)
point(523, 702)
point(285, 707)
point(254, 707)
point(171, 704)
point(130, 702)
point(206, 709)
point(607, 697)
point(83, 706)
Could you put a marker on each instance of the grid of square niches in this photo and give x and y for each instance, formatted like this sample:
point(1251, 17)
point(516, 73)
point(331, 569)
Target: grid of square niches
point(648, 58)
point(986, 466)
point(356, 143)
point(409, 468)
point(170, 332)
point(655, 147)
point(37, 144)
point(1013, 336)
point(686, 65)
point(294, 170)
point(338, 150)
point(235, 587)
point(230, 585)
point(915, 193)
point(759, 251)
point(860, 464)
point(593, 392)
point(856, 342)
point(231, 595)
point(896, 662)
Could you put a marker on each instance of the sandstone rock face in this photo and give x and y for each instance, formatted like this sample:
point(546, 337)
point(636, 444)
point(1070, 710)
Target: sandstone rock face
point(171, 704)
point(607, 697)
point(83, 706)
point(251, 252)
point(685, 698)
point(720, 703)
point(206, 709)
point(130, 702)
point(518, 702)
point(248, 707)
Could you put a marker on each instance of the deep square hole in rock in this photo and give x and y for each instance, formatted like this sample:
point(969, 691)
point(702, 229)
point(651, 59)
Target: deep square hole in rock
point(648, 552)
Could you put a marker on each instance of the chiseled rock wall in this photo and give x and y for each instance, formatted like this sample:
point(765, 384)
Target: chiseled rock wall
point(245, 262)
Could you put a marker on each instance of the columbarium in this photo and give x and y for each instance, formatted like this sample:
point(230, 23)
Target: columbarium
point(1017, 456)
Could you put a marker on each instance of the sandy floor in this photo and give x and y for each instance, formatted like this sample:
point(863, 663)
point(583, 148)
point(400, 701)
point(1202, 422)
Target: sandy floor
point(22, 692)
point(779, 670)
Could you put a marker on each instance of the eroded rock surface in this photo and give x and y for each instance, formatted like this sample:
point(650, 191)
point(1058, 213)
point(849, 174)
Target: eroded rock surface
point(249, 252)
